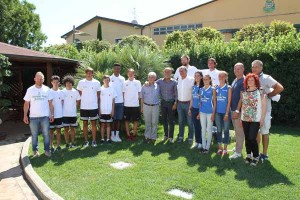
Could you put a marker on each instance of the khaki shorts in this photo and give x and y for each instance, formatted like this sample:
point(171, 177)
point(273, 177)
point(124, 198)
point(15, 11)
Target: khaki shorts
point(265, 129)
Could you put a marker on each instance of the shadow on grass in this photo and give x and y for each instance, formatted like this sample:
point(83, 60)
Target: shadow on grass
point(284, 130)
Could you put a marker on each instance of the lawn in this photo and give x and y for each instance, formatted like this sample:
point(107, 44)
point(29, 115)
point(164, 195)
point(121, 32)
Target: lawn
point(85, 173)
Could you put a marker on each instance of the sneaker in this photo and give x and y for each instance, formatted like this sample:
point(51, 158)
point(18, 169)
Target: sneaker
point(113, 138)
point(102, 141)
point(35, 154)
point(263, 157)
point(85, 144)
point(225, 153)
point(52, 150)
point(205, 151)
point(171, 140)
point(179, 139)
point(129, 138)
point(235, 155)
point(118, 139)
point(72, 145)
point(68, 145)
point(220, 152)
point(190, 141)
point(233, 149)
point(58, 148)
point(94, 144)
point(108, 141)
point(164, 139)
point(48, 153)
point(254, 161)
point(195, 146)
point(199, 146)
point(248, 160)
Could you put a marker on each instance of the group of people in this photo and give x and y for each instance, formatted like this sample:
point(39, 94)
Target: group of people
point(200, 97)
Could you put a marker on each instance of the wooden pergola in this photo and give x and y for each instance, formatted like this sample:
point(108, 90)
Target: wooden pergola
point(25, 63)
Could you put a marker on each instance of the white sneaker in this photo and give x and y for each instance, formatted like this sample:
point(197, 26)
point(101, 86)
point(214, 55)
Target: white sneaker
point(113, 138)
point(171, 140)
point(235, 155)
point(199, 146)
point(195, 146)
point(118, 139)
point(233, 149)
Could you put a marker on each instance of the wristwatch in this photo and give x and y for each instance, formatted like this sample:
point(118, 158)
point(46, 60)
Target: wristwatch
point(237, 111)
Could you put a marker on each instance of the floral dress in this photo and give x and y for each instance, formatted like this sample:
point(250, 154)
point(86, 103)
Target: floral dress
point(251, 106)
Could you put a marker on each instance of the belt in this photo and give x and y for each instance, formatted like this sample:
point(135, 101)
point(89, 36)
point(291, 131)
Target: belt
point(169, 100)
point(150, 104)
point(183, 101)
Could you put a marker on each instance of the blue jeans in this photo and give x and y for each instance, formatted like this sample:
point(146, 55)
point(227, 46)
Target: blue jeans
point(197, 125)
point(183, 117)
point(37, 124)
point(221, 124)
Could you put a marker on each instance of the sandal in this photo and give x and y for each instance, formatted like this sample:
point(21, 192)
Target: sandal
point(220, 151)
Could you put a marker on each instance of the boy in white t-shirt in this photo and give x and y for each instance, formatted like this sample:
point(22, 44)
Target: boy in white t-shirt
point(57, 124)
point(89, 90)
point(107, 108)
point(71, 102)
point(131, 92)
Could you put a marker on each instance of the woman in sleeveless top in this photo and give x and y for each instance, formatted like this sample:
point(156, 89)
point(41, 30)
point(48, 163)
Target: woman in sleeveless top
point(253, 104)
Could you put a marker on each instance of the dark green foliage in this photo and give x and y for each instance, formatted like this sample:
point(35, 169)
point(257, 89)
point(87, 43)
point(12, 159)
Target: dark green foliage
point(279, 53)
point(96, 45)
point(4, 72)
point(20, 25)
point(99, 31)
point(139, 40)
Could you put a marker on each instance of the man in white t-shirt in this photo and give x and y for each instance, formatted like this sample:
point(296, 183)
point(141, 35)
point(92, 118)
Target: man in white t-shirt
point(131, 93)
point(38, 98)
point(184, 90)
point(185, 61)
point(117, 82)
point(271, 88)
point(89, 90)
point(212, 71)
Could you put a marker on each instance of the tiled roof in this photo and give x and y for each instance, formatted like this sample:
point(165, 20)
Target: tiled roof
point(13, 51)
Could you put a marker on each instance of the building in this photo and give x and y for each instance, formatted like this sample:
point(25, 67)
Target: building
point(25, 63)
point(112, 30)
point(227, 16)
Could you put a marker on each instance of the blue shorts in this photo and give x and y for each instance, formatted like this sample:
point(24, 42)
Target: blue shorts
point(119, 111)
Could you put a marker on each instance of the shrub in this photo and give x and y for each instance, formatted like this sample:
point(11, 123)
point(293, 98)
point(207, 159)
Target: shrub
point(96, 45)
point(139, 40)
point(63, 50)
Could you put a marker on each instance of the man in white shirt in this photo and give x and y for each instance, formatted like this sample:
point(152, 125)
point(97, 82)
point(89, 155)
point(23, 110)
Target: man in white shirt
point(89, 90)
point(39, 98)
point(117, 82)
point(184, 89)
point(212, 71)
point(131, 93)
point(270, 88)
point(185, 60)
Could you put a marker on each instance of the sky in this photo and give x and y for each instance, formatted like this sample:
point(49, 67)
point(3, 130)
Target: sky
point(59, 16)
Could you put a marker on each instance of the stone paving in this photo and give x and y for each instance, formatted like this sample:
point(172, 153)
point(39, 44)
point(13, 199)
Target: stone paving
point(12, 183)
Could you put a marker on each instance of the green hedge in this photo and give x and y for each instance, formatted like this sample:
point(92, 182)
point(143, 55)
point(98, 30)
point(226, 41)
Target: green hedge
point(280, 56)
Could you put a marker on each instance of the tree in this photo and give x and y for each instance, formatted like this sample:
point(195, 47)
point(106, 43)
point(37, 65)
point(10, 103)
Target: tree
point(99, 32)
point(251, 32)
point(4, 72)
point(96, 45)
point(20, 25)
point(63, 50)
point(140, 40)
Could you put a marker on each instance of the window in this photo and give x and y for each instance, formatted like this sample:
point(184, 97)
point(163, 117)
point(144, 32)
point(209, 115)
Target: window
point(191, 27)
point(118, 40)
point(162, 30)
point(183, 27)
point(156, 31)
point(176, 28)
point(170, 29)
point(198, 25)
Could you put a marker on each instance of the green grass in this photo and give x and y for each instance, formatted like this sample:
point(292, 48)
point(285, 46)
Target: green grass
point(86, 173)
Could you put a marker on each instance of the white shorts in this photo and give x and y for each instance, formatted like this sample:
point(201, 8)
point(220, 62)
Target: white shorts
point(265, 129)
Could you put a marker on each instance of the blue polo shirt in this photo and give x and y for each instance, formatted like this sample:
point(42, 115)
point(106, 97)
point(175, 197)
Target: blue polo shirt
point(237, 87)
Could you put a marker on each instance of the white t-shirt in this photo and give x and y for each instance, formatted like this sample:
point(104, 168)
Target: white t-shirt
point(89, 89)
point(213, 74)
point(131, 91)
point(39, 101)
point(190, 72)
point(107, 96)
point(70, 99)
point(58, 98)
point(117, 82)
point(267, 83)
point(184, 88)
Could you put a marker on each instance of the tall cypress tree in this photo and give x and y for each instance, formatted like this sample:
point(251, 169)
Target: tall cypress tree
point(99, 32)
